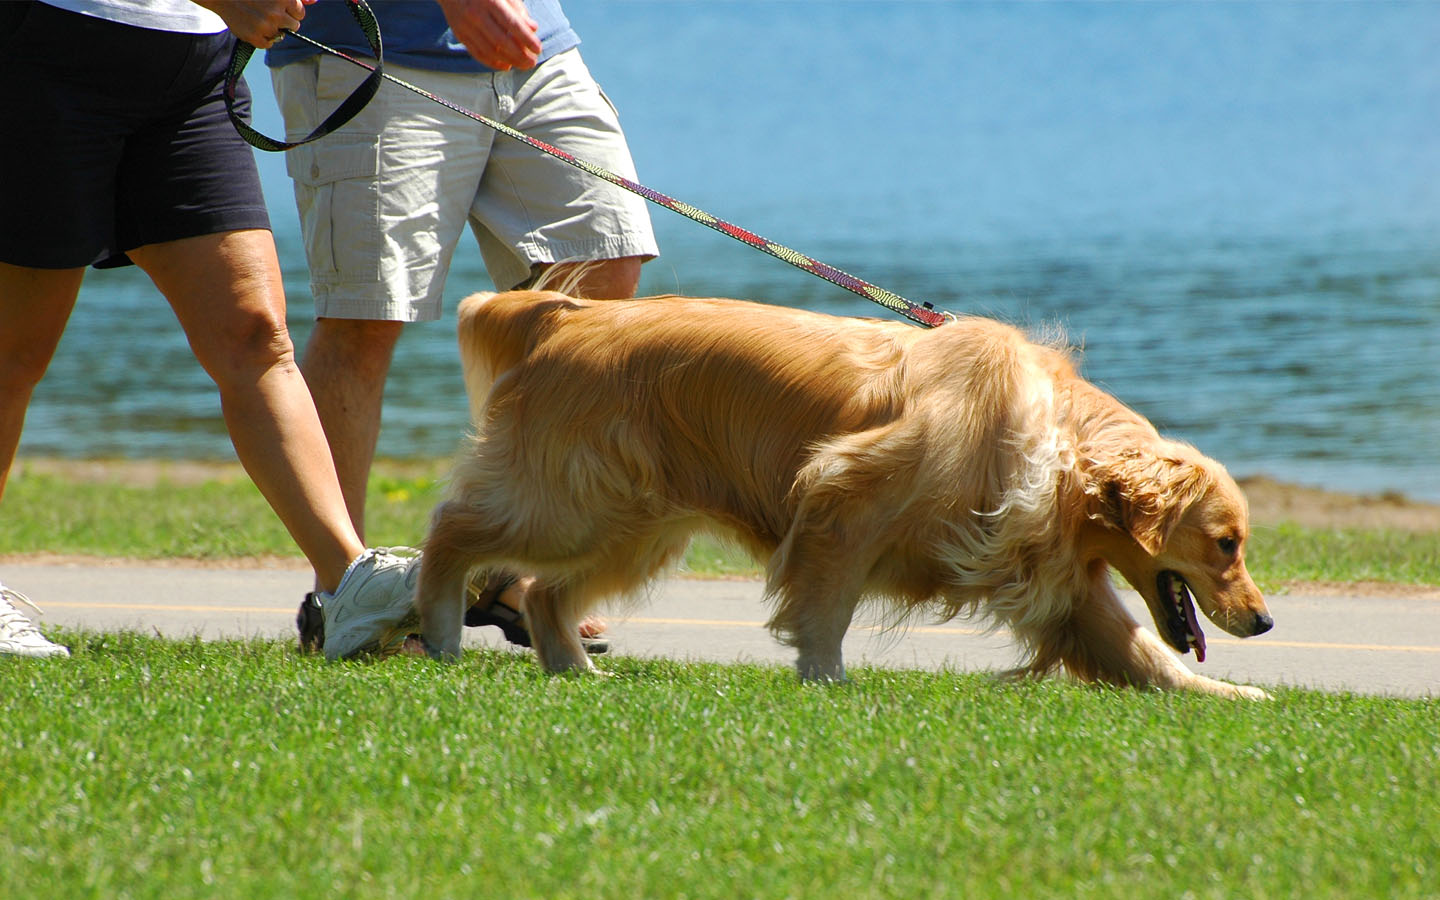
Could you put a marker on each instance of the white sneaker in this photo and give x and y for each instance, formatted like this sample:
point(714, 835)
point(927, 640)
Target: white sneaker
point(374, 607)
point(18, 635)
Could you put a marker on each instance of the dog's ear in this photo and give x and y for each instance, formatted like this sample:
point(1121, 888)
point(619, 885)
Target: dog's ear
point(1143, 495)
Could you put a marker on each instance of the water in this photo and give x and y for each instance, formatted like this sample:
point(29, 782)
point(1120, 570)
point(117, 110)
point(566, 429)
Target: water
point(1234, 208)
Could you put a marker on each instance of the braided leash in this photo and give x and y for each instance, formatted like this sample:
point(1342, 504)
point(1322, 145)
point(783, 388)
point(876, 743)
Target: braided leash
point(920, 313)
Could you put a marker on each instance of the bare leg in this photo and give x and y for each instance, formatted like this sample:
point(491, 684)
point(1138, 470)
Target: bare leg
point(606, 279)
point(227, 293)
point(35, 304)
point(34, 307)
point(346, 363)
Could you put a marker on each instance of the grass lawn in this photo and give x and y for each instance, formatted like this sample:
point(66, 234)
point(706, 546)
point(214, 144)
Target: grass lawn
point(144, 767)
point(152, 768)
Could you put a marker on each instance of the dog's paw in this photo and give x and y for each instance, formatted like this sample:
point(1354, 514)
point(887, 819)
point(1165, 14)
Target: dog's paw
point(1246, 692)
point(416, 645)
point(566, 663)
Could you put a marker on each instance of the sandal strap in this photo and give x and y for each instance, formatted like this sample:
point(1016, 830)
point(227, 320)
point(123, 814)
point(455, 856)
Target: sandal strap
point(488, 609)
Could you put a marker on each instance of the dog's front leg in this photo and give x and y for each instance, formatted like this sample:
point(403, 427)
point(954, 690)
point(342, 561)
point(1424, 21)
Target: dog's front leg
point(449, 555)
point(1105, 643)
point(821, 662)
point(1173, 674)
point(441, 601)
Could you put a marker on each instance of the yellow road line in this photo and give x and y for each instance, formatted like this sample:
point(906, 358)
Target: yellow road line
point(168, 607)
point(747, 623)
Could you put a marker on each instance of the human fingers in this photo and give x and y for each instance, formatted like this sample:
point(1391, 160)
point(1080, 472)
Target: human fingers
point(258, 22)
point(498, 33)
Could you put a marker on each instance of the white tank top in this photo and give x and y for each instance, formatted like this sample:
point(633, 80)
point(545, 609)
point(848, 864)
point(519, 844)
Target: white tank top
point(159, 15)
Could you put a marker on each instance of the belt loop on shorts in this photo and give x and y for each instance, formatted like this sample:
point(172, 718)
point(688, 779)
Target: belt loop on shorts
point(504, 83)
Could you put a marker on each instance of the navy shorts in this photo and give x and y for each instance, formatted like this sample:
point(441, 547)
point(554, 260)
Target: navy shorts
point(115, 137)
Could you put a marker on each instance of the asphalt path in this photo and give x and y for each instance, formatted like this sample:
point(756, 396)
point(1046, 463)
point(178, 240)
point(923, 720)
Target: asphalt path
point(1363, 644)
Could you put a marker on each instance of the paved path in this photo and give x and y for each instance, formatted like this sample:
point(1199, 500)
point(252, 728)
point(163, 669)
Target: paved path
point(1372, 645)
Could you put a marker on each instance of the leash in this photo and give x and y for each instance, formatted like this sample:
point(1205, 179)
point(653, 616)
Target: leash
point(343, 113)
point(921, 313)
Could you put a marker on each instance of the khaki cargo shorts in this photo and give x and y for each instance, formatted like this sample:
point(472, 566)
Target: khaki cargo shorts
point(383, 200)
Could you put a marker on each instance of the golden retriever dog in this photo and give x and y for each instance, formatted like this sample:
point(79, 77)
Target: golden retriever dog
point(958, 470)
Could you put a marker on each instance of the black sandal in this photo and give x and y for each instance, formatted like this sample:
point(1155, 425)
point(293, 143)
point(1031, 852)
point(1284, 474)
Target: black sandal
point(487, 609)
point(311, 622)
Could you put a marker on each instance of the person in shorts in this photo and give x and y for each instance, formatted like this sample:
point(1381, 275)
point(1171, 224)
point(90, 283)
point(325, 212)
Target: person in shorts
point(118, 150)
point(384, 200)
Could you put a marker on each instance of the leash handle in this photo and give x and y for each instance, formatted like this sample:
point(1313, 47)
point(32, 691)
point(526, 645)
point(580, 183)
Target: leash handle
point(343, 113)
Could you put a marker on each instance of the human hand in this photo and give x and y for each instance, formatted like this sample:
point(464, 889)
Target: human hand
point(259, 22)
point(498, 33)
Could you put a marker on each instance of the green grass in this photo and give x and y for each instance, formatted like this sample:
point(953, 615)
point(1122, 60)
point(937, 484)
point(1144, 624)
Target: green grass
point(227, 517)
point(151, 768)
point(1289, 552)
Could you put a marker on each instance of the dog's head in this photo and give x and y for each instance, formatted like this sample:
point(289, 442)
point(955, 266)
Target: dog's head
point(1175, 525)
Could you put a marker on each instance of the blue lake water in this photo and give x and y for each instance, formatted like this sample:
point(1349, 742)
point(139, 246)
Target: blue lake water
point(1233, 208)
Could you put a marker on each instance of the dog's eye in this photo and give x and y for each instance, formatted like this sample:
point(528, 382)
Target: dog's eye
point(1228, 545)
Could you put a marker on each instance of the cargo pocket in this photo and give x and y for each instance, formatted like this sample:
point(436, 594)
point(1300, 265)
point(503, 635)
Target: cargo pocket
point(338, 197)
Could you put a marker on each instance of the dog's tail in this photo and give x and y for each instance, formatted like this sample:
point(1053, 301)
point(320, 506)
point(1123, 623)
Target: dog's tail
point(496, 331)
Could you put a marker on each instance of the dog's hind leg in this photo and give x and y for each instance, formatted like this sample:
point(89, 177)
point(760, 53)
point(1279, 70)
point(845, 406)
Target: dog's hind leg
point(846, 497)
point(553, 613)
point(818, 637)
point(816, 582)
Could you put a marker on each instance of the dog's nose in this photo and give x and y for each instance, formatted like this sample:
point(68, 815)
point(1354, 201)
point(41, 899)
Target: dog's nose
point(1263, 623)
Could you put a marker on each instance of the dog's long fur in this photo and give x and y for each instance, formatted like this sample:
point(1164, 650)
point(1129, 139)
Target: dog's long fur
point(963, 469)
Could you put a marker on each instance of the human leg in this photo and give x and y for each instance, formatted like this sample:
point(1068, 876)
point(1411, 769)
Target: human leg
point(34, 305)
point(345, 364)
point(381, 220)
point(226, 291)
point(605, 279)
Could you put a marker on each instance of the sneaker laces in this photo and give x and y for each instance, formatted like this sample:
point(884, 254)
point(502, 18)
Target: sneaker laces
point(399, 551)
point(370, 553)
point(13, 619)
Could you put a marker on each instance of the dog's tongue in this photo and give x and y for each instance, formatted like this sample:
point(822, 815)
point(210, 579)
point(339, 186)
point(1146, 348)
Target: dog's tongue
point(1198, 636)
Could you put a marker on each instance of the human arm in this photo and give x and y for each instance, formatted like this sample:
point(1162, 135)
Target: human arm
point(499, 33)
point(258, 22)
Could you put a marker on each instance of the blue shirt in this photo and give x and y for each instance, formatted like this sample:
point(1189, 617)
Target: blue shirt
point(413, 33)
